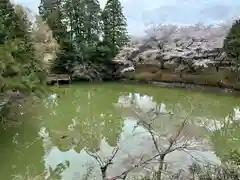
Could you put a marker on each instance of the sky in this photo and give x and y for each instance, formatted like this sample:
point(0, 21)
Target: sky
point(142, 13)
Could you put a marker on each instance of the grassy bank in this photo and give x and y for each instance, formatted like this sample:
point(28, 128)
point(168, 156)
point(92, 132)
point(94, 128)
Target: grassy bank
point(223, 78)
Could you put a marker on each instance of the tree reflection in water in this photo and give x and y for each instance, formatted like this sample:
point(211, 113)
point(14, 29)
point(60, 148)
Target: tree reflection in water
point(98, 120)
point(134, 142)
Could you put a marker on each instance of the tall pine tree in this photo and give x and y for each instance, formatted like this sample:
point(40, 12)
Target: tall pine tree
point(52, 12)
point(92, 28)
point(75, 11)
point(115, 26)
point(84, 22)
point(92, 21)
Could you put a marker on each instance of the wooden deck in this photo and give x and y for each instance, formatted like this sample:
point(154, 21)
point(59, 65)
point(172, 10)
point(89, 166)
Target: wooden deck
point(59, 78)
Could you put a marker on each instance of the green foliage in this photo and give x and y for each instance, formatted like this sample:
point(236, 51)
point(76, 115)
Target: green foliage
point(100, 53)
point(233, 156)
point(115, 26)
point(232, 42)
point(91, 24)
point(52, 12)
point(81, 43)
point(19, 68)
point(85, 27)
point(21, 72)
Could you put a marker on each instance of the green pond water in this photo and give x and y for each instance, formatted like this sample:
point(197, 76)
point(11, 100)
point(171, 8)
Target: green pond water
point(58, 131)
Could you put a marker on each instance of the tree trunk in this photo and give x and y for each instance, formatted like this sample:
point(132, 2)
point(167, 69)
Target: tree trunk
point(160, 168)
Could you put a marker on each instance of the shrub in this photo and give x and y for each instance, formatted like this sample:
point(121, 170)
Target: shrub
point(232, 42)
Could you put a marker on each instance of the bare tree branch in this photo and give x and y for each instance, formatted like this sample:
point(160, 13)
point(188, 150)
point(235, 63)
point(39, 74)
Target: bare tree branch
point(104, 165)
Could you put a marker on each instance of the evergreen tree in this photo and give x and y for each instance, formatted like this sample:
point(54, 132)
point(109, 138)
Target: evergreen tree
point(80, 43)
point(9, 30)
point(52, 12)
point(19, 68)
point(115, 26)
point(84, 20)
point(92, 21)
point(75, 10)
point(92, 29)
point(232, 42)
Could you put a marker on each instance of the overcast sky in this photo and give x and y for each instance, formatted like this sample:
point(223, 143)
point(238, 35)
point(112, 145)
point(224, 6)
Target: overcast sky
point(141, 13)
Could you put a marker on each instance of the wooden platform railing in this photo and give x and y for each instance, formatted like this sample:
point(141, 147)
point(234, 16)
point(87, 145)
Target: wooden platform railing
point(55, 78)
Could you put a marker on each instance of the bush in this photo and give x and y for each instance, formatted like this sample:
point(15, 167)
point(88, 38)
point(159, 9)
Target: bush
point(21, 71)
point(232, 42)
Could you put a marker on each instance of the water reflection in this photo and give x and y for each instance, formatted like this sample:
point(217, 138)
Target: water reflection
point(144, 102)
point(236, 112)
point(97, 120)
point(132, 142)
point(16, 152)
point(132, 148)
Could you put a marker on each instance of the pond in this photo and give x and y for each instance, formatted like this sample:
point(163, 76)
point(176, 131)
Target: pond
point(60, 134)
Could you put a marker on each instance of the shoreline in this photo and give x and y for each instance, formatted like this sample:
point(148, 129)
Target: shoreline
point(194, 87)
point(188, 86)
